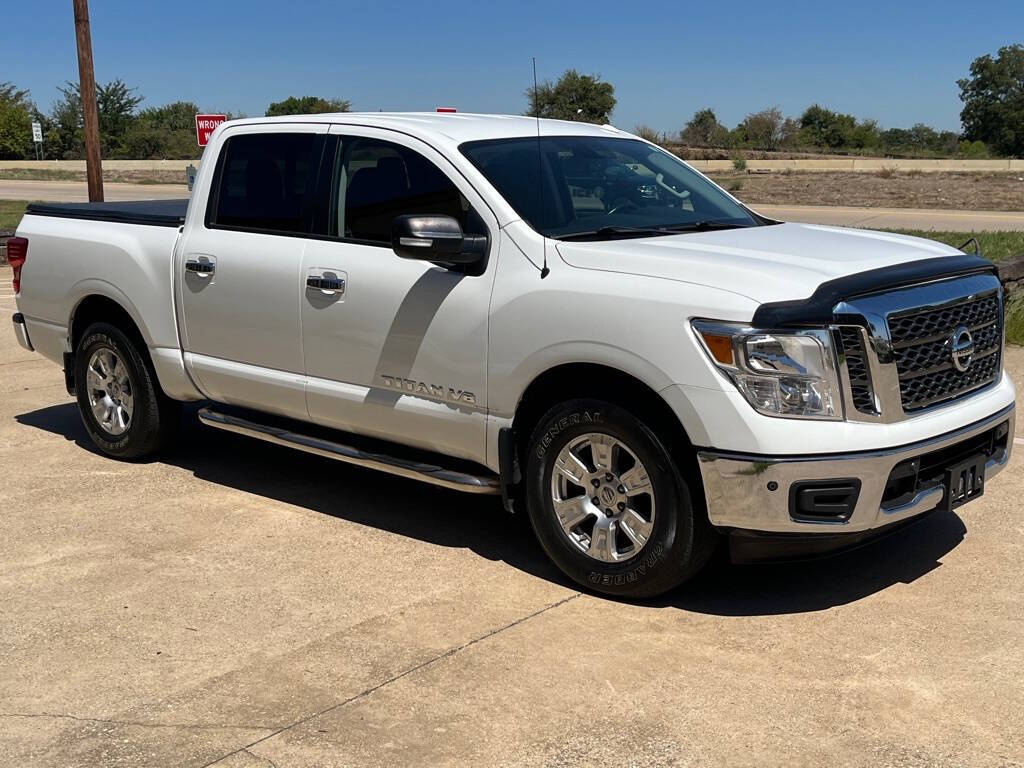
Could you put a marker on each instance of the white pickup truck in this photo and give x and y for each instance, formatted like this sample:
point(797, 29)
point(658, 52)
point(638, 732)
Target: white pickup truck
point(559, 313)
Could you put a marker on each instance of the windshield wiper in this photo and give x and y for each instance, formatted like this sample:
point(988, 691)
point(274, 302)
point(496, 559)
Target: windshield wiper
point(703, 226)
point(614, 231)
point(674, 229)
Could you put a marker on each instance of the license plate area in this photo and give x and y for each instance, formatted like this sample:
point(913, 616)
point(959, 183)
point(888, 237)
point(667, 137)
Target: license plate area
point(965, 482)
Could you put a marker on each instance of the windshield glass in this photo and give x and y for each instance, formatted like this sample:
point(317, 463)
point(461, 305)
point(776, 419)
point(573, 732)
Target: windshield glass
point(599, 188)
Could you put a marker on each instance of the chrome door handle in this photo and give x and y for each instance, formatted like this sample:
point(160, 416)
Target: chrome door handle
point(326, 284)
point(200, 268)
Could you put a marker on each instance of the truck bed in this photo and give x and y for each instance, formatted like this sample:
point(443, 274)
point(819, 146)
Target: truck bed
point(156, 213)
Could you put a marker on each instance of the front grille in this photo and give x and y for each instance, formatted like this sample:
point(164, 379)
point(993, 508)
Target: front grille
point(857, 368)
point(921, 342)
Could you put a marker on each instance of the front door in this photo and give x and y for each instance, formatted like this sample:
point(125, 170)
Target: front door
point(395, 348)
point(240, 269)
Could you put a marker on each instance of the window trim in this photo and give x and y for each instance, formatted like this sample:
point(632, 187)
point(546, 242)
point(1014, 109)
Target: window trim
point(316, 168)
point(328, 161)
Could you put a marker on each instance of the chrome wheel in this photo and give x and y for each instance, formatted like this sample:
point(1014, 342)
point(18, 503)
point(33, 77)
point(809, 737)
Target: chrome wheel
point(603, 497)
point(110, 391)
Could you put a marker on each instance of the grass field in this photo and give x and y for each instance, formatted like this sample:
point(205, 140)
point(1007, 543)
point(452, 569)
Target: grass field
point(995, 246)
point(10, 213)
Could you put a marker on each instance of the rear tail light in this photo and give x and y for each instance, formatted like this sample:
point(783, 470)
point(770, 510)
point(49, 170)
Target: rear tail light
point(17, 252)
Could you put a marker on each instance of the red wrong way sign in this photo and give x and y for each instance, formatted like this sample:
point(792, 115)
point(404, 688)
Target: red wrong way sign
point(205, 125)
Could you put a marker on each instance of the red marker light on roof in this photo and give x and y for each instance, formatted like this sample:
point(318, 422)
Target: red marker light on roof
point(446, 109)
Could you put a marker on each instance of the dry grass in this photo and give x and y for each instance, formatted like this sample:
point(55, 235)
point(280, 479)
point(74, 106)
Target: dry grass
point(130, 177)
point(958, 191)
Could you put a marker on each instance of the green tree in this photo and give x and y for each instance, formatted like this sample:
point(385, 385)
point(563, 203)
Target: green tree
point(648, 133)
point(821, 127)
point(62, 131)
point(764, 129)
point(585, 98)
point(307, 105)
point(704, 130)
point(166, 132)
point(16, 111)
point(972, 150)
point(115, 104)
point(993, 98)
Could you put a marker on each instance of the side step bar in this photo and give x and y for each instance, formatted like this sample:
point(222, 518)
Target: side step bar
point(414, 470)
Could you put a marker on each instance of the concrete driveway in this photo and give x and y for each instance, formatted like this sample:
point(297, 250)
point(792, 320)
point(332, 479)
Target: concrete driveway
point(241, 605)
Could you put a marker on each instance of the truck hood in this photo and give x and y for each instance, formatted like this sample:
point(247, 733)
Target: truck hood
point(772, 263)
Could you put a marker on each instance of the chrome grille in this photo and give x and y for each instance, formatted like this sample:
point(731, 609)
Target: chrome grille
point(857, 370)
point(921, 344)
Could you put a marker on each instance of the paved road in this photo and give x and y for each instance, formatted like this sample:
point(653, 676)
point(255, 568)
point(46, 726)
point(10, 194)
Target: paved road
point(74, 191)
point(897, 218)
point(240, 604)
point(907, 218)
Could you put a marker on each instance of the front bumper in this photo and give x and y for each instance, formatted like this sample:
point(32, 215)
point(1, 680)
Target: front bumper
point(21, 331)
point(752, 494)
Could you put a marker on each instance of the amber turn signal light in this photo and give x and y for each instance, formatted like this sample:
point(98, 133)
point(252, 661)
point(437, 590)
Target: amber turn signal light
point(720, 347)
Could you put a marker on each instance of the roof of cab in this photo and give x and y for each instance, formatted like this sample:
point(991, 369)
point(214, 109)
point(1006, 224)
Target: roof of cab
point(455, 127)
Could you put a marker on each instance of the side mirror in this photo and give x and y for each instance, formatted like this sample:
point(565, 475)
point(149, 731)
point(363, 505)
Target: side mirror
point(435, 238)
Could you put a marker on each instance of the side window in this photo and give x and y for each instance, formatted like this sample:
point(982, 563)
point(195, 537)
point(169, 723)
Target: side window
point(375, 181)
point(265, 183)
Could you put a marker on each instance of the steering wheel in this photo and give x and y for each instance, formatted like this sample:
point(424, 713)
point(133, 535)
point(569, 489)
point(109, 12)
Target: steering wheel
point(624, 205)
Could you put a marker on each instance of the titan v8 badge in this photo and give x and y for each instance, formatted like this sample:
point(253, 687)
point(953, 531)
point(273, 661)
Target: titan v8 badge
point(423, 389)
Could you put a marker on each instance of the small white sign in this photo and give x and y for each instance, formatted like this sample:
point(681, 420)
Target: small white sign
point(37, 131)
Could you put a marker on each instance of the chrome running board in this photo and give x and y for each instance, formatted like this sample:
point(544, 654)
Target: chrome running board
point(414, 470)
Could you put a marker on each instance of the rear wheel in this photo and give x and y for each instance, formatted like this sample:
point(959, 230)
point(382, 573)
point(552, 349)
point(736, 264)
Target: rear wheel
point(122, 408)
point(608, 503)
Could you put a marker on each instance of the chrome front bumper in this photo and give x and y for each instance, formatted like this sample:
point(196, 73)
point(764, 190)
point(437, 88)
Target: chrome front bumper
point(753, 492)
point(21, 331)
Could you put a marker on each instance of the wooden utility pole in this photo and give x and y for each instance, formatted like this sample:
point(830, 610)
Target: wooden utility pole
point(87, 90)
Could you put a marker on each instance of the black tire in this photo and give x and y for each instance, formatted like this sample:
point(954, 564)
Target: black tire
point(154, 418)
point(680, 541)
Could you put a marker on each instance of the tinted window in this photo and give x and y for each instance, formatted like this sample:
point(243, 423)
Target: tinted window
point(592, 182)
point(266, 182)
point(375, 181)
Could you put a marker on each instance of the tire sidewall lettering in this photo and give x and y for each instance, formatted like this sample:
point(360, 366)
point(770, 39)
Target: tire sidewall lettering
point(564, 423)
point(647, 562)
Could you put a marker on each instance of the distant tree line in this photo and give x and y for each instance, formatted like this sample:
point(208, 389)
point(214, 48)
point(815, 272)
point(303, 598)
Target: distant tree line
point(819, 129)
point(992, 120)
point(126, 131)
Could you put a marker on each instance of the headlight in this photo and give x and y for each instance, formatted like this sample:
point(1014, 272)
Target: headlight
point(791, 374)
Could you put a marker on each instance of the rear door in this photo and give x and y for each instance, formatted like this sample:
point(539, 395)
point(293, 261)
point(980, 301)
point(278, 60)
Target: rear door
point(395, 348)
point(240, 263)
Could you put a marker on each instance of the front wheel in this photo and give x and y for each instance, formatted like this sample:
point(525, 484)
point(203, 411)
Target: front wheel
point(124, 412)
point(608, 503)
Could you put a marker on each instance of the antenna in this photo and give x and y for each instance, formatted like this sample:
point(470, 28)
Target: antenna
point(540, 168)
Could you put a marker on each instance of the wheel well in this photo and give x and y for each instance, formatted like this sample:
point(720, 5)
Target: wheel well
point(589, 380)
point(95, 309)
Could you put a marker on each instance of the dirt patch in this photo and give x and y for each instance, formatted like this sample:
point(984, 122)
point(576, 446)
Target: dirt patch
point(176, 176)
point(968, 191)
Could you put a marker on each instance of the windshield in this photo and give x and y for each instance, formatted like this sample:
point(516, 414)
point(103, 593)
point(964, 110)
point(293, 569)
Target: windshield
point(600, 188)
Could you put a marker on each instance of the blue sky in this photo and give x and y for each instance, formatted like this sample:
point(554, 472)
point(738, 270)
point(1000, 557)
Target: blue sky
point(895, 61)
